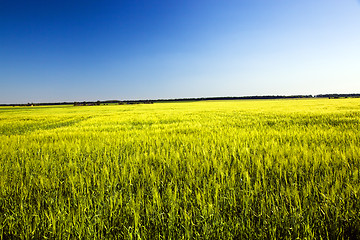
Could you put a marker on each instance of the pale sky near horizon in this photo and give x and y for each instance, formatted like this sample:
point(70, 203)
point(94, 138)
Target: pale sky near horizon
point(54, 51)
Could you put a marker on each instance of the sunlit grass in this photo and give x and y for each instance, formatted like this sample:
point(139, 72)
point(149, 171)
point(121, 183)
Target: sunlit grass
point(207, 170)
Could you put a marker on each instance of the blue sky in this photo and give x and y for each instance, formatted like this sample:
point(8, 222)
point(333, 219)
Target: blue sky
point(81, 50)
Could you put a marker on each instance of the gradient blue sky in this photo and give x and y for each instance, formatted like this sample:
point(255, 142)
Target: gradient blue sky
point(66, 50)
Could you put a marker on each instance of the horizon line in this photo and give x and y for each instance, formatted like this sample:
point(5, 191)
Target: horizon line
point(246, 97)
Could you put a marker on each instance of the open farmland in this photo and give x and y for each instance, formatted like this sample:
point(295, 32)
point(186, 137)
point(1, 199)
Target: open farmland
point(260, 169)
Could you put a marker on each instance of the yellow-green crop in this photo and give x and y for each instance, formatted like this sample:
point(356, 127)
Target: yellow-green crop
point(261, 169)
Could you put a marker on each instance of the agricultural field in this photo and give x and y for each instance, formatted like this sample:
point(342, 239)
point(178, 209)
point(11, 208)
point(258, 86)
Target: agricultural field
point(259, 169)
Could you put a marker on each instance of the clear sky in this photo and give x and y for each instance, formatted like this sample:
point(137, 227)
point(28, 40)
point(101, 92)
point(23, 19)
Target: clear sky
point(87, 50)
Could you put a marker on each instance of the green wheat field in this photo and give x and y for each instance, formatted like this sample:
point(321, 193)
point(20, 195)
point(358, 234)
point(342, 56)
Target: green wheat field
point(248, 169)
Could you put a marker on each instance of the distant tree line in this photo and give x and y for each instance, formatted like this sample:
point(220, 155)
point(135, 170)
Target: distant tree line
point(233, 98)
point(353, 95)
point(127, 102)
